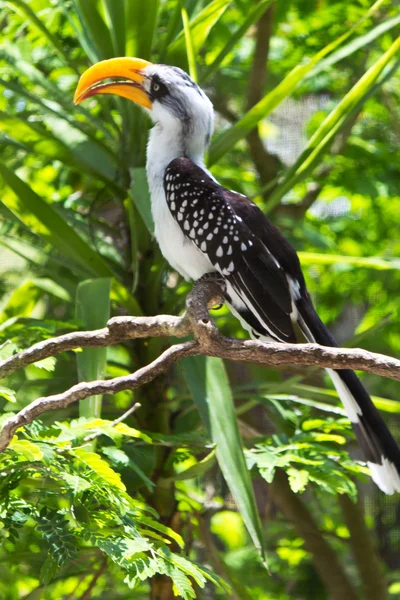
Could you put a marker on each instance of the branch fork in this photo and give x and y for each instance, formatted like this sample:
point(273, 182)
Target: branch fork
point(206, 293)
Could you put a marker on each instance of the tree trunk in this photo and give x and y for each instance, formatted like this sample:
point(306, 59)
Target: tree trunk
point(324, 558)
point(368, 563)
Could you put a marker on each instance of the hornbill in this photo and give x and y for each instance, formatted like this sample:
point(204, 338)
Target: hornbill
point(202, 228)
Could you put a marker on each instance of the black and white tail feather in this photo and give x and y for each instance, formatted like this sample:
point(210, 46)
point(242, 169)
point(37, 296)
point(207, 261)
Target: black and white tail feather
point(267, 292)
point(379, 448)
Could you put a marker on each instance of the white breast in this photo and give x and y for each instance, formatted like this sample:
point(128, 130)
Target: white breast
point(180, 252)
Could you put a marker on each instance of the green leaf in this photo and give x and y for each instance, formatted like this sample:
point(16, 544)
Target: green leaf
point(163, 529)
point(44, 220)
point(54, 98)
point(298, 479)
point(140, 25)
point(25, 297)
point(25, 9)
point(8, 394)
point(182, 586)
point(321, 139)
point(327, 437)
point(390, 406)
point(226, 140)
point(99, 466)
point(50, 106)
point(252, 17)
point(108, 428)
point(370, 262)
point(200, 27)
point(209, 385)
point(188, 567)
point(121, 458)
point(198, 469)
point(93, 311)
point(124, 429)
point(141, 196)
point(47, 364)
point(76, 483)
point(48, 569)
point(115, 20)
point(357, 44)
point(189, 44)
point(93, 32)
point(194, 373)
point(89, 155)
point(26, 448)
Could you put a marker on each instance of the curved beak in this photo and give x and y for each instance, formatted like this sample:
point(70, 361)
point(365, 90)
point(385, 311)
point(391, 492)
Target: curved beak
point(128, 73)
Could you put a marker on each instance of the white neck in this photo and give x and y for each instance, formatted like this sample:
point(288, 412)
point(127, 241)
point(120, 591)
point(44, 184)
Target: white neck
point(164, 145)
point(181, 254)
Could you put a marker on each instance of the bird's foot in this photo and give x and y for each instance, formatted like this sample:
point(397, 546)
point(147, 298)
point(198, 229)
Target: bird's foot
point(214, 278)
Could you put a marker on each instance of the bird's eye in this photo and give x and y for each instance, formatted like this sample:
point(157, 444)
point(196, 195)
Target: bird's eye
point(158, 88)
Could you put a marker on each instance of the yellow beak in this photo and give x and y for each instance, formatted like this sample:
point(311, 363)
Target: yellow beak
point(130, 77)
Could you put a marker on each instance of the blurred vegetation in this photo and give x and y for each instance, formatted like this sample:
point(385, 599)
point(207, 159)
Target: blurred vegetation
point(163, 503)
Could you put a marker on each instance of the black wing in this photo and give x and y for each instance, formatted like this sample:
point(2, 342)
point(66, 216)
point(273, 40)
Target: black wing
point(266, 284)
point(257, 284)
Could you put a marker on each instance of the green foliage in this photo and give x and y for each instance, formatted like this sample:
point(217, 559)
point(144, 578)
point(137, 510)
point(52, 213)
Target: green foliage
point(168, 496)
point(78, 502)
point(92, 309)
point(311, 454)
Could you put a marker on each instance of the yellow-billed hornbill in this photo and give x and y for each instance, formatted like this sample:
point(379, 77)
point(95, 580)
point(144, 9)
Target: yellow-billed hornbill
point(202, 227)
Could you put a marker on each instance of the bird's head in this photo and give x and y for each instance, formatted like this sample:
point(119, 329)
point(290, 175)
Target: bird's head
point(174, 101)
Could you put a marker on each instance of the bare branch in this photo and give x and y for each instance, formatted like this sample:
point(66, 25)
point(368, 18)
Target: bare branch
point(126, 414)
point(93, 582)
point(118, 329)
point(92, 388)
point(274, 354)
point(208, 341)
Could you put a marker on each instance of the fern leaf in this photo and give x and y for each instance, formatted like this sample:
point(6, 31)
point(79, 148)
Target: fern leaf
point(27, 449)
point(99, 466)
point(185, 565)
point(163, 529)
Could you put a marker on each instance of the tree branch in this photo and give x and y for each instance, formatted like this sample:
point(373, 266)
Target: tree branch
point(208, 341)
point(93, 582)
point(117, 330)
point(267, 164)
point(92, 388)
